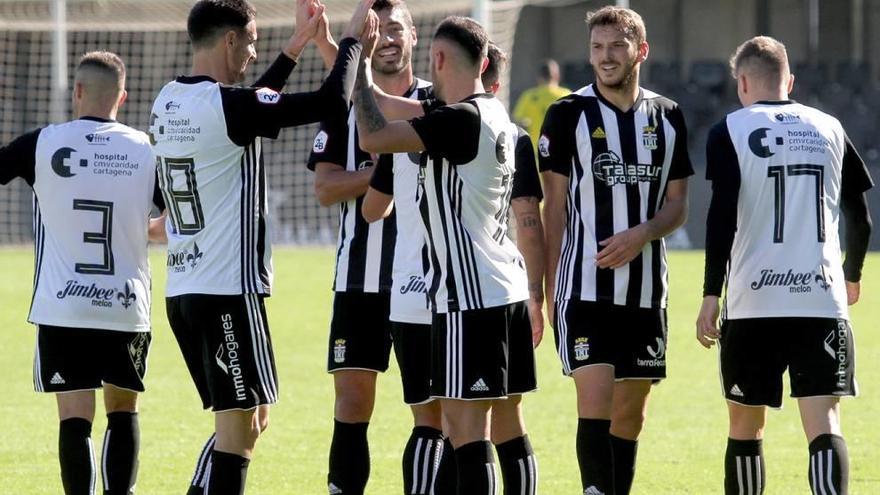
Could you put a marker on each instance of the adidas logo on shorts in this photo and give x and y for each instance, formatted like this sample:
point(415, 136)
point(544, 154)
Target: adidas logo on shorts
point(57, 380)
point(480, 386)
point(734, 390)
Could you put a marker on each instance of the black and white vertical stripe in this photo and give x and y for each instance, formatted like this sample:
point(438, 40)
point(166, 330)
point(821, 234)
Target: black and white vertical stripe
point(203, 465)
point(748, 475)
point(490, 474)
point(255, 278)
point(426, 460)
point(39, 243)
point(562, 329)
point(454, 361)
point(528, 475)
point(365, 251)
point(262, 350)
point(596, 211)
point(822, 472)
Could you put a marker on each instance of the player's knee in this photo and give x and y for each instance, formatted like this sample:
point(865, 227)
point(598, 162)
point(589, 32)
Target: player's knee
point(628, 423)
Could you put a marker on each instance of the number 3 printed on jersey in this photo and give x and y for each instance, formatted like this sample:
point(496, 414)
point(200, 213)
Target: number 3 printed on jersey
point(178, 179)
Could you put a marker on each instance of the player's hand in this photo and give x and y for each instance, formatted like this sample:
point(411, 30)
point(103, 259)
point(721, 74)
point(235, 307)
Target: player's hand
point(623, 247)
point(309, 15)
point(707, 322)
point(358, 19)
point(323, 35)
point(536, 318)
point(853, 291)
point(370, 36)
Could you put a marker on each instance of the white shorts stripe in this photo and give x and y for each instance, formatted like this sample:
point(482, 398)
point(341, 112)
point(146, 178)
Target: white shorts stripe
point(260, 348)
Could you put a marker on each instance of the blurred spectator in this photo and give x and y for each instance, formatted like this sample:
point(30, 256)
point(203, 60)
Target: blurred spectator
point(533, 103)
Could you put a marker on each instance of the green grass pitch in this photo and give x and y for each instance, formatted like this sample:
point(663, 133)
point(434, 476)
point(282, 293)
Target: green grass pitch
point(681, 449)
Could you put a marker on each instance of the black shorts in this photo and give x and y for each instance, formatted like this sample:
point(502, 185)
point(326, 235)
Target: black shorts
point(71, 359)
point(360, 333)
point(227, 348)
point(818, 352)
point(412, 347)
point(482, 353)
point(632, 340)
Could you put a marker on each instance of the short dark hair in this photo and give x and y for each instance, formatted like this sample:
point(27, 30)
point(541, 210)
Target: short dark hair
point(210, 18)
point(627, 21)
point(105, 62)
point(548, 69)
point(763, 57)
point(497, 63)
point(381, 5)
point(466, 33)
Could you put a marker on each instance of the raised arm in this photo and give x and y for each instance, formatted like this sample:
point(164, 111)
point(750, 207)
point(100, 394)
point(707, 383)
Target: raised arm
point(377, 135)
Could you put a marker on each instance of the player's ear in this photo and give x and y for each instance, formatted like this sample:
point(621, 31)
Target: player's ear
point(484, 65)
point(790, 84)
point(643, 51)
point(743, 83)
point(439, 59)
point(414, 34)
point(230, 38)
point(122, 97)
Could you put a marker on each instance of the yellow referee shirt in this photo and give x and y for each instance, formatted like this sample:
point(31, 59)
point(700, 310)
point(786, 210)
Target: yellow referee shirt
point(533, 104)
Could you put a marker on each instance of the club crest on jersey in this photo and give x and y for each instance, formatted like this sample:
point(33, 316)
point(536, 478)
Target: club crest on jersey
point(320, 142)
point(127, 297)
point(339, 351)
point(544, 146)
point(649, 137)
point(268, 96)
point(581, 349)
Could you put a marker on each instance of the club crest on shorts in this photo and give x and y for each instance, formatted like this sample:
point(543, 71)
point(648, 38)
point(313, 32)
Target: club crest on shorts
point(339, 351)
point(581, 349)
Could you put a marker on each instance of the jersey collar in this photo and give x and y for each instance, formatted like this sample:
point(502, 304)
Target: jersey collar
point(635, 106)
point(774, 102)
point(96, 119)
point(194, 79)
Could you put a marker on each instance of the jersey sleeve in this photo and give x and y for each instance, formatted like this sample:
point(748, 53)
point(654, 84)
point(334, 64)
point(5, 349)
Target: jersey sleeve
point(680, 166)
point(855, 177)
point(158, 199)
point(276, 75)
point(330, 144)
point(18, 158)
point(383, 176)
point(722, 168)
point(526, 182)
point(555, 146)
point(451, 132)
point(263, 112)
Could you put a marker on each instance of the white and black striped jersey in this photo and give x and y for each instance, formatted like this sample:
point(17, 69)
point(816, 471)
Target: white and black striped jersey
point(94, 183)
point(619, 165)
point(207, 138)
point(409, 301)
point(366, 256)
point(780, 173)
point(465, 187)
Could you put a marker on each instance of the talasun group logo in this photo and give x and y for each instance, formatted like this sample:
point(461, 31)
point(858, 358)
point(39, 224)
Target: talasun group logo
point(610, 169)
point(795, 281)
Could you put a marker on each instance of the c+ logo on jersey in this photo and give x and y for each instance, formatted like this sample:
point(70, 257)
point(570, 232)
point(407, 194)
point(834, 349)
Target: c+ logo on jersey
point(759, 142)
point(60, 163)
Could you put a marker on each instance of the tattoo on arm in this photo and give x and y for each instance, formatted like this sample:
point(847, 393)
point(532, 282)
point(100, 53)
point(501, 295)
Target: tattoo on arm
point(529, 221)
point(369, 116)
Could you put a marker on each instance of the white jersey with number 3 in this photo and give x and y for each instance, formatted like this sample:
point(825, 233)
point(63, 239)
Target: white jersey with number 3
point(93, 192)
point(786, 259)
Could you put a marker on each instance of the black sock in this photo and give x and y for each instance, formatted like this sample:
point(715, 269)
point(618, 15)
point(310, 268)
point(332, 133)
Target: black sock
point(595, 456)
point(420, 459)
point(227, 474)
point(76, 455)
point(519, 468)
point(446, 481)
point(744, 468)
point(203, 468)
point(119, 459)
point(349, 459)
point(476, 468)
point(829, 465)
point(624, 458)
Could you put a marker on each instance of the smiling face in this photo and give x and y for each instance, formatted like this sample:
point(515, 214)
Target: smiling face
point(615, 57)
point(242, 51)
point(397, 37)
